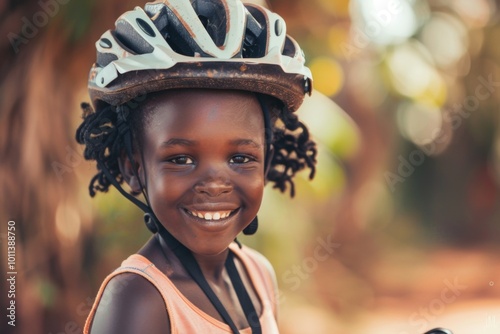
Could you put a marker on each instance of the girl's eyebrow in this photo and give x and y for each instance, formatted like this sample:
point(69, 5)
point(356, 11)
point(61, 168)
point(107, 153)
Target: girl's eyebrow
point(178, 142)
point(186, 142)
point(245, 142)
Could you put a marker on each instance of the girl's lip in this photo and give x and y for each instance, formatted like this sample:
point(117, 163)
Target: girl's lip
point(204, 206)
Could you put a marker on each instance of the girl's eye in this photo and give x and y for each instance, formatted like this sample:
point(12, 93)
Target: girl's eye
point(240, 159)
point(182, 160)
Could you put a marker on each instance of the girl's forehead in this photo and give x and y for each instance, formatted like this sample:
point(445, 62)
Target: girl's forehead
point(194, 96)
point(193, 110)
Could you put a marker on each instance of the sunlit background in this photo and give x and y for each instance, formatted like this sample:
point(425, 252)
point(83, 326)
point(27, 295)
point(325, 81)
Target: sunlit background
point(399, 231)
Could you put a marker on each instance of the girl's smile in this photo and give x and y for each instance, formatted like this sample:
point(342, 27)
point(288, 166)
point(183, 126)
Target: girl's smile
point(210, 224)
point(201, 157)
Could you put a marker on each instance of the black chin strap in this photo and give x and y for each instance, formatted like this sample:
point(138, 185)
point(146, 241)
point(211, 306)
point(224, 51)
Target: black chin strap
point(192, 267)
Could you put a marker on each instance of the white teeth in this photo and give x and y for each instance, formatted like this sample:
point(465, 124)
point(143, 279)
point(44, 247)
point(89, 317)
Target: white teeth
point(210, 215)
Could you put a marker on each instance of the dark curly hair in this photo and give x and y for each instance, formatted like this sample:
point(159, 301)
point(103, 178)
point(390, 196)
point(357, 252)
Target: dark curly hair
point(105, 131)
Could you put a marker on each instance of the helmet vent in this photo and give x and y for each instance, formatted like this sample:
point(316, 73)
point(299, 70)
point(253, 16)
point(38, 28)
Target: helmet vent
point(105, 43)
point(289, 48)
point(203, 20)
point(254, 45)
point(212, 14)
point(103, 59)
point(130, 39)
point(158, 14)
point(145, 27)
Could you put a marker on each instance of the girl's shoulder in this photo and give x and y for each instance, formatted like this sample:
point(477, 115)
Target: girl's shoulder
point(257, 258)
point(128, 302)
point(263, 272)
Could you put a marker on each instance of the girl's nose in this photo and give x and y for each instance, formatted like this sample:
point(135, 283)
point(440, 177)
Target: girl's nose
point(214, 186)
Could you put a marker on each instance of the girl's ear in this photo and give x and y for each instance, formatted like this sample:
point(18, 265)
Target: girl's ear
point(130, 173)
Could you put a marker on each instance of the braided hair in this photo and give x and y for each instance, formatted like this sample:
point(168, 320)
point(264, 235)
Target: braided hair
point(105, 132)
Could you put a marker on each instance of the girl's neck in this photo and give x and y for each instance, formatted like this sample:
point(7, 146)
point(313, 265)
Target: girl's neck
point(212, 266)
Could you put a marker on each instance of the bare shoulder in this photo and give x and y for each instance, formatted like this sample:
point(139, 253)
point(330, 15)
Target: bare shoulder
point(263, 263)
point(130, 304)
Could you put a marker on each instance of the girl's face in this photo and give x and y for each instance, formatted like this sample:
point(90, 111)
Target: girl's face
point(203, 162)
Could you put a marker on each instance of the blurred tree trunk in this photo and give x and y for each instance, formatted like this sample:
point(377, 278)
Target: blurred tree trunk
point(35, 135)
point(46, 53)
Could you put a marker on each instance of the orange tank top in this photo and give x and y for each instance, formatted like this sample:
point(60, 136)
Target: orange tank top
point(185, 317)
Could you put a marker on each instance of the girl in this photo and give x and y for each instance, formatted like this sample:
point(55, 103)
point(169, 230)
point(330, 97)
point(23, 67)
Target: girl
point(192, 106)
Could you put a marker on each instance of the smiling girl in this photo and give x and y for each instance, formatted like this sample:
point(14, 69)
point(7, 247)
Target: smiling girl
point(192, 106)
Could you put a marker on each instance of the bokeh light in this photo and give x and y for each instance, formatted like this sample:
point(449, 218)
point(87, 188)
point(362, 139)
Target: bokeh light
point(413, 74)
point(386, 21)
point(446, 39)
point(419, 123)
point(476, 13)
point(328, 75)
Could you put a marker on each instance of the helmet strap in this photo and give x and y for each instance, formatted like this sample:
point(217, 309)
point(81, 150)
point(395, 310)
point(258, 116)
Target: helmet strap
point(268, 133)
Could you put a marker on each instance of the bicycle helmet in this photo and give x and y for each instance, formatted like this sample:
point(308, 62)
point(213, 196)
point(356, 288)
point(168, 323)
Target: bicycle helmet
point(217, 44)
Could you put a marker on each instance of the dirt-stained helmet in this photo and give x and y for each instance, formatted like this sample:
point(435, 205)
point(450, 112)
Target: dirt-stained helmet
point(218, 44)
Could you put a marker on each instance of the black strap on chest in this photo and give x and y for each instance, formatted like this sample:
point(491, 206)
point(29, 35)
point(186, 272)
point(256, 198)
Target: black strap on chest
point(243, 297)
point(191, 265)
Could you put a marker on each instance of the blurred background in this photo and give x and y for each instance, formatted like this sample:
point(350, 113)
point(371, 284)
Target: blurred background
point(398, 233)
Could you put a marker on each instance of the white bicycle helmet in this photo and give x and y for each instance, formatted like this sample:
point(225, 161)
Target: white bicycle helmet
point(218, 44)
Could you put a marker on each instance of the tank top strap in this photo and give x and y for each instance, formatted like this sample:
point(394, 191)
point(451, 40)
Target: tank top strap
point(261, 278)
